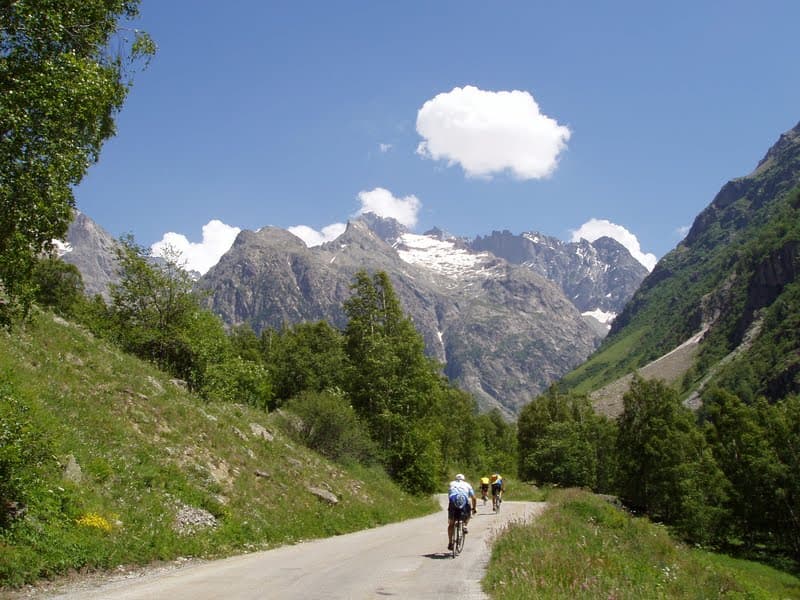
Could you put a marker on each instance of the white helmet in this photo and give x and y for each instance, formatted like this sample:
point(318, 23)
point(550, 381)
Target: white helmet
point(459, 477)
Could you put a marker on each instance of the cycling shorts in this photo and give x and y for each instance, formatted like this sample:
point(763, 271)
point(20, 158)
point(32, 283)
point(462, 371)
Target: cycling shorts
point(459, 512)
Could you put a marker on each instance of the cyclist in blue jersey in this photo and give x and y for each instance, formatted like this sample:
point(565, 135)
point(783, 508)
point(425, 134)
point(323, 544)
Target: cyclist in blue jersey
point(461, 504)
point(498, 487)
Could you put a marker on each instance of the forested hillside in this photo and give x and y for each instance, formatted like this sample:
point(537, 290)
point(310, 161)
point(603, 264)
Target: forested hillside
point(727, 473)
point(739, 259)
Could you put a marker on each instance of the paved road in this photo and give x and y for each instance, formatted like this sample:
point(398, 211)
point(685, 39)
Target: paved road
point(401, 560)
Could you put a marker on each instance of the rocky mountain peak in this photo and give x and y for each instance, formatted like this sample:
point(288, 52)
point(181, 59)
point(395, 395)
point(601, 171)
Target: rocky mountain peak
point(91, 248)
point(786, 143)
point(386, 228)
point(502, 330)
point(598, 277)
point(776, 173)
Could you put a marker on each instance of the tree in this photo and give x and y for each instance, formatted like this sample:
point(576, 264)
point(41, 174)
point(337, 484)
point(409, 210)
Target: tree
point(154, 313)
point(782, 423)
point(388, 367)
point(58, 285)
point(235, 379)
point(61, 86)
point(665, 466)
point(562, 440)
point(391, 383)
point(304, 357)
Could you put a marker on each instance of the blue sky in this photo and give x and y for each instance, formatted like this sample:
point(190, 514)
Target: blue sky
point(470, 116)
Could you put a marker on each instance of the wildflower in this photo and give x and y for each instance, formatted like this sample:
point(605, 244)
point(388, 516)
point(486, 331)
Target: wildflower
point(96, 521)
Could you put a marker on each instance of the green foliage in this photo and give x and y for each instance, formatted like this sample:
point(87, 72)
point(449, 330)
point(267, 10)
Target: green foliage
point(584, 547)
point(562, 441)
point(390, 381)
point(207, 346)
point(304, 357)
point(388, 367)
point(782, 423)
point(743, 451)
point(61, 87)
point(326, 423)
point(665, 466)
point(155, 314)
point(496, 441)
point(25, 455)
point(238, 380)
point(58, 285)
point(414, 460)
point(146, 448)
point(151, 307)
point(757, 446)
point(245, 343)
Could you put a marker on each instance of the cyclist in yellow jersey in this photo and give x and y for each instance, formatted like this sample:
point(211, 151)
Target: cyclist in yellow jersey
point(484, 488)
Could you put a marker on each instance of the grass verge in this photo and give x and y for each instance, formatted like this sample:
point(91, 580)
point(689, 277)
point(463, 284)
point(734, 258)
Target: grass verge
point(584, 547)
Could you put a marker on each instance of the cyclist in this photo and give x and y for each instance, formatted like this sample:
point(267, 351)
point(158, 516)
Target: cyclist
point(460, 494)
point(498, 487)
point(484, 488)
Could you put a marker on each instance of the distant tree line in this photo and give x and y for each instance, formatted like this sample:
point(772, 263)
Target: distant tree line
point(367, 393)
point(728, 476)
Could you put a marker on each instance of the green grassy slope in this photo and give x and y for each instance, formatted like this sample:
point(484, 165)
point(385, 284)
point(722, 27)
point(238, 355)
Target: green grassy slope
point(583, 547)
point(709, 278)
point(152, 464)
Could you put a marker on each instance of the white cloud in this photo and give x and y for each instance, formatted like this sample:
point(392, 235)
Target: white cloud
point(683, 230)
point(312, 237)
point(217, 240)
point(385, 147)
point(384, 204)
point(491, 132)
point(597, 228)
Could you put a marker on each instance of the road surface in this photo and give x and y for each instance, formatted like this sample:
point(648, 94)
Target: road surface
point(401, 560)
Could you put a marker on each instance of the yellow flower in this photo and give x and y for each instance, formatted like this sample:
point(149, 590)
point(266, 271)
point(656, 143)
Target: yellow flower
point(96, 521)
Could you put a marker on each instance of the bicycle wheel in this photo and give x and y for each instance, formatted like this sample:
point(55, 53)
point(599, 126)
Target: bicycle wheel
point(460, 537)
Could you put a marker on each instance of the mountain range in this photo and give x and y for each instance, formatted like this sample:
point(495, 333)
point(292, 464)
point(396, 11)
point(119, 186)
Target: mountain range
point(505, 314)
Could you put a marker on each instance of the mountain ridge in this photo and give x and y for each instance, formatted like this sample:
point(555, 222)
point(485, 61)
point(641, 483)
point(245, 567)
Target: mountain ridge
point(502, 330)
point(736, 268)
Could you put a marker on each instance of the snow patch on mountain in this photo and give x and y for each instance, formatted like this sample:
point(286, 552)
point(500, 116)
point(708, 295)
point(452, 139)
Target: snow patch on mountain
point(600, 315)
point(441, 256)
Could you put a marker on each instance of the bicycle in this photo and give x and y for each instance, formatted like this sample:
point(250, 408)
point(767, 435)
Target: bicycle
point(496, 501)
point(459, 537)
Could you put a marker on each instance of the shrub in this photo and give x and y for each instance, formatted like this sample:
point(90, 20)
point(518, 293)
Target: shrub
point(326, 422)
